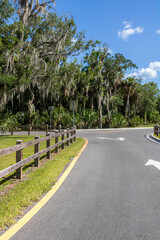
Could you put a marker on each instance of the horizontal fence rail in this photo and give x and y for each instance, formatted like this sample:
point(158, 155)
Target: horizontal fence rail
point(157, 130)
point(20, 162)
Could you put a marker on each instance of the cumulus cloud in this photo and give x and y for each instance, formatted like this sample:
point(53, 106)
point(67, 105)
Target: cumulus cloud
point(158, 31)
point(129, 30)
point(147, 73)
point(155, 66)
point(127, 24)
point(134, 74)
point(150, 72)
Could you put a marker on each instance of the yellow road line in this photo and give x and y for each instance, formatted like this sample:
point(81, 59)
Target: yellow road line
point(15, 228)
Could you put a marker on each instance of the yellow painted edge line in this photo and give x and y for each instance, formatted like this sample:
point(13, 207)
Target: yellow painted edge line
point(15, 228)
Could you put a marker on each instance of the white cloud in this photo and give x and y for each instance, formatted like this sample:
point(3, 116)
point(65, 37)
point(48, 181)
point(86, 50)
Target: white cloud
point(155, 66)
point(127, 24)
point(147, 73)
point(150, 72)
point(129, 30)
point(134, 74)
point(158, 31)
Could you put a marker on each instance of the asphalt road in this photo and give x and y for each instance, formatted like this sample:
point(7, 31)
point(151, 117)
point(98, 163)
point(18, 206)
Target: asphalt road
point(110, 194)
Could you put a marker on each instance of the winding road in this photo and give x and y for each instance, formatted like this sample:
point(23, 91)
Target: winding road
point(110, 193)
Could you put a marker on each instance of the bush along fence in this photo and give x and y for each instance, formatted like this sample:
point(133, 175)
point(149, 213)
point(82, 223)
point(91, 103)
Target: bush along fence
point(157, 130)
point(18, 148)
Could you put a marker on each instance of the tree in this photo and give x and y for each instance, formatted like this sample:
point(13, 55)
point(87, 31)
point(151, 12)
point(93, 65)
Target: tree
point(34, 48)
point(129, 87)
point(149, 100)
point(94, 63)
point(29, 10)
point(114, 69)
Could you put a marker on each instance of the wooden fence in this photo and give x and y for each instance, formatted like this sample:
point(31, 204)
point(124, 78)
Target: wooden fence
point(18, 148)
point(157, 130)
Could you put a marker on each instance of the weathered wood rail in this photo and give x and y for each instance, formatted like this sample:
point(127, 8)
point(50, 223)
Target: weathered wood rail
point(157, 130)
point(20, 162)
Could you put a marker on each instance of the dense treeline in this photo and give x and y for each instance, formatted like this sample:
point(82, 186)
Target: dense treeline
point(38, 68)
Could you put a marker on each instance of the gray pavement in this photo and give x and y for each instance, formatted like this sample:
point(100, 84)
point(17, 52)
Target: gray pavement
point(109, 194)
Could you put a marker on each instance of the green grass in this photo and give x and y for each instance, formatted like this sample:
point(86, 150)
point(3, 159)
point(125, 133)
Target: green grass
point(156, 136)
point(24, 193)
point(10, 159)
point(8, 141)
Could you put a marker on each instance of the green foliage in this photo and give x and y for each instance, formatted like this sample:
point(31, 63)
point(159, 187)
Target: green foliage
point(136, 121)
point(37, 69)
point(89, 119)
point(149, 100)
point(9, 124)
point(154, 116)
point(118, 120)
point(6, 10)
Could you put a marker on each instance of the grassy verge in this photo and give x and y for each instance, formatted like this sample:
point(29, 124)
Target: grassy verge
point(10, 159)
point(156, 136)
point(24, 193)
point(8, 141)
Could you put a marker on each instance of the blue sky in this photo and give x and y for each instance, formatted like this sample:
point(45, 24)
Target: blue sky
point(130, 27)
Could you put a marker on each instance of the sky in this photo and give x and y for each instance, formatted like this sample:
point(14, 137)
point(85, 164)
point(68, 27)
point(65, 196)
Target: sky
point(129, 27)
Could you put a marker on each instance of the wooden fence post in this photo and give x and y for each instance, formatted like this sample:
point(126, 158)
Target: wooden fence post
point(29, 129)
point(59, 128)
point(46, 129)
point(72, 135)
point(36, 149)
point(48, 142)
point(67, 137)
point(156, 130)
point(75, 134)
point(62, 138)
point(56, 141)
point(19, 157)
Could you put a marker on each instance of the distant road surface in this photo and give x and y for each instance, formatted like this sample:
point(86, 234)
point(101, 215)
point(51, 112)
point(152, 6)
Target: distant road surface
point(110, 194)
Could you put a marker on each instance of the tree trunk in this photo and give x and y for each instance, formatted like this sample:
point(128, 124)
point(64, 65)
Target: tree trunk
point(108, 111)
point(91, 101)
point(100, 111)
point(136, 107)
point(128, 106)
point(145, 118)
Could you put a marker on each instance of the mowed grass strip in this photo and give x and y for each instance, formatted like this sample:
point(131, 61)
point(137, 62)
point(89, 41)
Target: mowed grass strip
point(10, 159)
point(8, 141)
point(27, 192)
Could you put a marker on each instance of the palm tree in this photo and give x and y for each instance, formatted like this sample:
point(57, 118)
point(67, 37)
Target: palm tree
point(129, 88)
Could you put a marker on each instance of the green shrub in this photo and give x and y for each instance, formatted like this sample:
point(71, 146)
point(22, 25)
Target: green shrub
point(9, 124)
point(118, 120)
point(136, 121)
point(89, 118)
